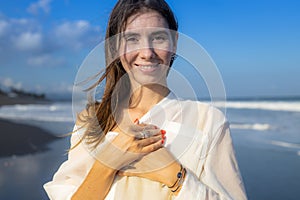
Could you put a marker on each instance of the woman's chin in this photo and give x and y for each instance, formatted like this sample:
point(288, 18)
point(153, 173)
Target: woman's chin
point(141, 78)
point(144, 81)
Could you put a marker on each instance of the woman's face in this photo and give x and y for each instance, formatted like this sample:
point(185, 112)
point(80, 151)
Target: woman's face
point(147, 48)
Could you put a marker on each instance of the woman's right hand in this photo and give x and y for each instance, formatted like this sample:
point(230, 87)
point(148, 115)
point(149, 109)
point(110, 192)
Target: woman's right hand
point(129, 145)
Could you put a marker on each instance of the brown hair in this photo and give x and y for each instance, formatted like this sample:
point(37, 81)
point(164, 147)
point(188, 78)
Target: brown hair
point(105, 110)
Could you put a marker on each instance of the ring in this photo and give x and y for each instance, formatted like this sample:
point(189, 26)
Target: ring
point(144, 134)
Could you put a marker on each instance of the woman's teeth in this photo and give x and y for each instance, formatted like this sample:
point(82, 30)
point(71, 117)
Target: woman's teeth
point(148, 66)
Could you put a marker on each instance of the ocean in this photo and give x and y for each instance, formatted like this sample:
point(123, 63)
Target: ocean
point(265, 133)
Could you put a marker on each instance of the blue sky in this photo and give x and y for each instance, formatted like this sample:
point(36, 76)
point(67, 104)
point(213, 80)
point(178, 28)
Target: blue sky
point(254, 43)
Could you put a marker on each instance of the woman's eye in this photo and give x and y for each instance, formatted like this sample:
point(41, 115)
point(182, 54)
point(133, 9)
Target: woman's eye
point(131, 39)
point(159, 38)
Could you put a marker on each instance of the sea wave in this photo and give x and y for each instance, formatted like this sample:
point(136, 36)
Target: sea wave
point(261, 105)
point(58, 112)
point(285, 144)
point(256, 126)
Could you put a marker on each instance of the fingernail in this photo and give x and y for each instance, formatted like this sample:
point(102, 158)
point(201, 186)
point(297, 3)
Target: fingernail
point(136, 121)
point(164, 137)
point(163, 141)
point(163, 131)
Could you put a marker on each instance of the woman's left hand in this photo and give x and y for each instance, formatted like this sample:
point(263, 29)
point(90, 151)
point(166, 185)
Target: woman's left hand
point(160, 166)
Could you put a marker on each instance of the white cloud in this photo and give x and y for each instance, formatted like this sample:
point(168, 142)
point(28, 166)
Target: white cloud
point(45, 60)
point(20, 24)
point(58, 90)
point(26, 46)
point(38, 60)
point(3, 27)
point(76, 34)
point(7, 83)
point(28, 41)
point(24, 41)
point(19, 38)
point(75, 28)
point(43, 5)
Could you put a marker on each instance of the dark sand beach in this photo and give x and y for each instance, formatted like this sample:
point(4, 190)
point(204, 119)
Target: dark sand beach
point(20, 139)
point(27, 155)
point(28, 160)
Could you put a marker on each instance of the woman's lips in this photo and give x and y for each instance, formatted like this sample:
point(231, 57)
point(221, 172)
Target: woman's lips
point(148, 68)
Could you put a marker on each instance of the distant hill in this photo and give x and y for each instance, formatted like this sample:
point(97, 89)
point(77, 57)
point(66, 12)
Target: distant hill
point(22, 93)
point(19, 96)
point(14, 92)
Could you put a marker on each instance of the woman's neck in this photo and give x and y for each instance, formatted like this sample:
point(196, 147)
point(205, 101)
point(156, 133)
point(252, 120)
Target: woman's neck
point(145, 97)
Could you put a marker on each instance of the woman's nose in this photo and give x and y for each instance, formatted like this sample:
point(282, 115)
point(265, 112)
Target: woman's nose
point(146, 51)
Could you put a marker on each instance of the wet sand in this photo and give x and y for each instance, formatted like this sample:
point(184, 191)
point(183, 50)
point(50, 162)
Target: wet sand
point(20, 139)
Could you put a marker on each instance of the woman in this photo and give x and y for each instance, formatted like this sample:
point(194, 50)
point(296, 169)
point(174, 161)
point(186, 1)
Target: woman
point(140, 142)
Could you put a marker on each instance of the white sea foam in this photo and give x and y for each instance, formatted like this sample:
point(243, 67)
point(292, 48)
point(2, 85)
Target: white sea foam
point(256, 126)
point(62, 112)
point(57, 112)
point(285, 144)
point(293, 106)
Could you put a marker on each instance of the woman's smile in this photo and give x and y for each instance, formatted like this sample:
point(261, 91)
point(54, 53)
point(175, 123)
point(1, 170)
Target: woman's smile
point(147, 68)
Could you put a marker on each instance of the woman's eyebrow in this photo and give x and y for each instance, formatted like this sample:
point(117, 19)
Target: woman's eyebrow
point(130, 34)
point(160, 32)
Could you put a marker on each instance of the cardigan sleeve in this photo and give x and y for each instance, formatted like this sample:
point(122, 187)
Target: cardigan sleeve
point(69, 175)
point(220, 178)
point(73, 171)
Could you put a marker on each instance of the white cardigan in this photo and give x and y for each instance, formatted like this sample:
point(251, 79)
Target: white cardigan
point(197, 134)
